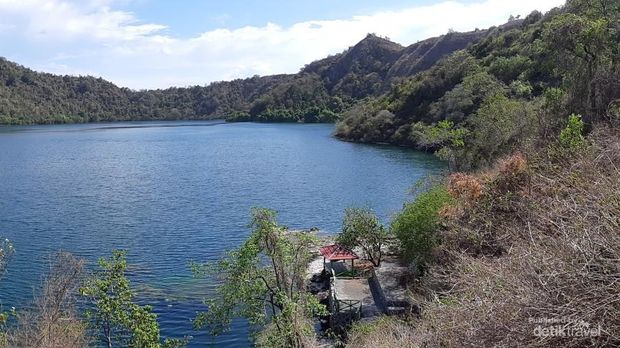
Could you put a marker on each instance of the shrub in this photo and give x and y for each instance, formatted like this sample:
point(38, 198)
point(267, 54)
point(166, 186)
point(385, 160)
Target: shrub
point(500, 127)
point(571, 137)
point(521, 89)
point(508, 69)
point(52, 320)
point(465, 187)
point(416, 225)
point(113, 311)
point(513, 172)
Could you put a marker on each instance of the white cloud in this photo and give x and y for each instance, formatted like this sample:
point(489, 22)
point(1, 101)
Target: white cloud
point(116, 45)
point(73, 20)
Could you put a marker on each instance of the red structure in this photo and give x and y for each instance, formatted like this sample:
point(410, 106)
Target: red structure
point(336, 252)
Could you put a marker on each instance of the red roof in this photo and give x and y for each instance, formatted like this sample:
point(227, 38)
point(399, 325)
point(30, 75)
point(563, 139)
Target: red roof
point(337, 252)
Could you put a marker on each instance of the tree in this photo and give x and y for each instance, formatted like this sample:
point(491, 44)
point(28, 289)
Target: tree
point(586, 51)
point(53, 320)
point(263, 281)
point(500, 126)
point(6, 251)
point(362, 228)
point(445, 138)
point(118, 318)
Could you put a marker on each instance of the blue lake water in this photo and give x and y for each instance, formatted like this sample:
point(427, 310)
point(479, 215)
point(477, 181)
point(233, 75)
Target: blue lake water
point(174, 192)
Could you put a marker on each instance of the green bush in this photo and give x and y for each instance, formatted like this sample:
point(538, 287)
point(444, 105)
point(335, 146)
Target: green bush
point(416, 225)
point(571, 137)
point(508, 69)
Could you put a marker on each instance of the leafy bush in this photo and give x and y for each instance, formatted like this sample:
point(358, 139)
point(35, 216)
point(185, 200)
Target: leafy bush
point(114, 312)
point(367, 123)
point(465, 97)
point(571, 137)
point(521, 89)
point(444, 137)
point(416, 225)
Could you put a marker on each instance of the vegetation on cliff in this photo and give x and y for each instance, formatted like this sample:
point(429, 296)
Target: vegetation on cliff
point(511, 87)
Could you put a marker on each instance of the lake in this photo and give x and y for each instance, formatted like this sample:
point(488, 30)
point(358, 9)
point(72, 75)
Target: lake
point(175, 192)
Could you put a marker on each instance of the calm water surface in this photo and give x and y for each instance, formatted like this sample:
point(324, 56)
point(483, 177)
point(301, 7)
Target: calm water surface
point(174, 192)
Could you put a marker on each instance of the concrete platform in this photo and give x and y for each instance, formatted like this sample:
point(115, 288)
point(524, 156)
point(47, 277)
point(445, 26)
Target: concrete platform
point(357, 290)
point(389, 284)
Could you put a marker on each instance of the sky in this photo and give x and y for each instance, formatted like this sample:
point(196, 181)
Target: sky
point(146, 44)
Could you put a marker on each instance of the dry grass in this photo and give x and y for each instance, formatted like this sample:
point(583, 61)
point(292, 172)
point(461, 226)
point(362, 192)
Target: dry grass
point(384, 332)
point(540, 248)
point(466, 187)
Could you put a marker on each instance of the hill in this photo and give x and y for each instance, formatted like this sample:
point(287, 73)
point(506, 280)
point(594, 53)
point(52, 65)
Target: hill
point(513, 76)
point(318, 93)
point(29, 97)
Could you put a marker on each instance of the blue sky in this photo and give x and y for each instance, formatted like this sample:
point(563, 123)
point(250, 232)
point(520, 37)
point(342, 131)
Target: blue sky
point(160, 43)
point(192, 17)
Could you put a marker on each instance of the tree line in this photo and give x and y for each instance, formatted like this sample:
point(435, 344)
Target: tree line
point(320, 92)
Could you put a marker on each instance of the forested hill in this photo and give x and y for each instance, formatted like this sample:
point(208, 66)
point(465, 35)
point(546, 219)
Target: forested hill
point(318, 93)
point(28, 97)
point(485, 101)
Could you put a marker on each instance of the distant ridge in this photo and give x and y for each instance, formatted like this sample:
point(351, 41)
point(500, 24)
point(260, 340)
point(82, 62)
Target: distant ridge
point(318, 93)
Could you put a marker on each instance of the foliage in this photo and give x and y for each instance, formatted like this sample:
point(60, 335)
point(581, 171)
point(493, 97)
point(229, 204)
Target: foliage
point(509, 68)
point(416, 225)
point(459, 102)
point(6, 252)
point(445, 138)
point(264, 281)
point(571, 136)
point(560, 250)
point(514, 85)
point(362, 228)
point(118, 318)
point(584, 44)
point(499, 127)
